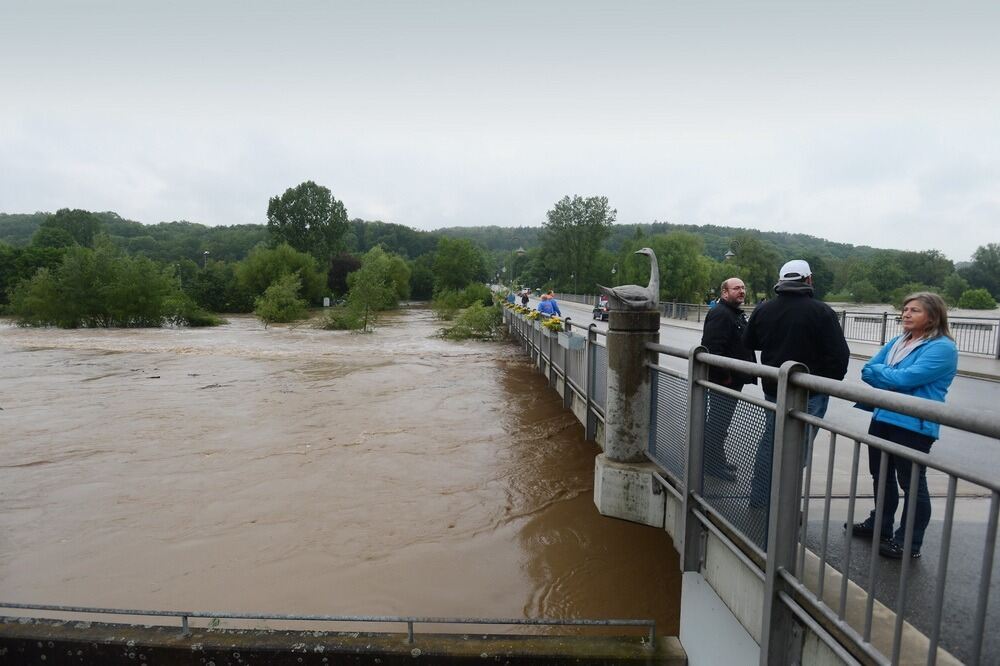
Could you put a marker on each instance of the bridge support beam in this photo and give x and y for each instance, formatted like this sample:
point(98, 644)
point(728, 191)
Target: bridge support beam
point(624, 486)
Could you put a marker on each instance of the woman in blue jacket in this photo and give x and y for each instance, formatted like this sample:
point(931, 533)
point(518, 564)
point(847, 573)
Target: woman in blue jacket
point(920, 362)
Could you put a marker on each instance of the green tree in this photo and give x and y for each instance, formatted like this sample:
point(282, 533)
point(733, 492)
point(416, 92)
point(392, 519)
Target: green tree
point(928, 267)
point(756, 263)
point(685, 273)
point(308, 218)
point(422, 278)
point(372, 287)
point(264, 265)
point(47, 236)
point(83, 226)
point(342, 265)
point(280, 302)
point(984, 272)
point(954, 286)
point(457, 263)
point(574, 232)
point(977, 299)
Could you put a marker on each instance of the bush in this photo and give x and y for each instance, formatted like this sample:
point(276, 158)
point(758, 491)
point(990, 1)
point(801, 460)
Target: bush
point(185, 312)
point(478, 321)
point(448, 302)
point(342, 318)
point(977, 299)
point(281, 302)
point(897, 295)
point(864, 291)
point(264, 265)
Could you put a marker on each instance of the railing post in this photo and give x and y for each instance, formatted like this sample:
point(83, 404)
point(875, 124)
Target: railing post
point(780, 638)
point(843, 321)
point(885, 320)
point(690, 531)
point(590, 428)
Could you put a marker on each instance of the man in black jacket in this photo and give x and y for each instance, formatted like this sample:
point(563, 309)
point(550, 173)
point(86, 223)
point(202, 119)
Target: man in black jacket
point(794, 326)
point(723, 335)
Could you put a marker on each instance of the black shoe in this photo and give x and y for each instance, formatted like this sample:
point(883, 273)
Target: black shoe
point(894, 550)
point(866, 528)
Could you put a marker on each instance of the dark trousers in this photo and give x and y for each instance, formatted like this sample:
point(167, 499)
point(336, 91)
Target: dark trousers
point(897, 475)
point(720, 414)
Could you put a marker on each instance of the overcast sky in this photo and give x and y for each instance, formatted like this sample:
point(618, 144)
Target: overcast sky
point(868, 122)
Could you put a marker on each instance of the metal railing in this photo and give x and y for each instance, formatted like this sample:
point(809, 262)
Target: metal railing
point(410, 621)
point(581, 362)
point(763, 498)
point(761, 503)
point(973, 335)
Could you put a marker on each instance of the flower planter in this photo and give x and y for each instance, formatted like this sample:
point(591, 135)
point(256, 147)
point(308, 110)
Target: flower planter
point(537, 325)
point(547, 333)
point(570, 341)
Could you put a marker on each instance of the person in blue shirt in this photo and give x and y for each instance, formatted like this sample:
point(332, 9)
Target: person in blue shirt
point(555, 304)
point(510, 297)
point(545, 305)
point(921, 362)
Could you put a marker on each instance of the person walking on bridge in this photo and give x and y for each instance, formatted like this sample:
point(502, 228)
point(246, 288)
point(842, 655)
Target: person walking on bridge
point(545, 305)
point(551, 296)
point(793, 326)
point(723, 335)
point(921, 362)
point(524, 298)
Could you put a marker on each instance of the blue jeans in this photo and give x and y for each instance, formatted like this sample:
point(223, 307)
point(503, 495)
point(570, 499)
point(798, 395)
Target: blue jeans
point(760, 485)
point(897, 475)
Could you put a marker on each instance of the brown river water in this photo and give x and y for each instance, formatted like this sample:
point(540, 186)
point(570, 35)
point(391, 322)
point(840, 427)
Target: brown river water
point(295, 470)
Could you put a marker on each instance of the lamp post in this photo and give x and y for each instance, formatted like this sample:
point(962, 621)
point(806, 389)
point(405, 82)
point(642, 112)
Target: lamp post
point(614, 270)
point(572, 276)
point(204, 263)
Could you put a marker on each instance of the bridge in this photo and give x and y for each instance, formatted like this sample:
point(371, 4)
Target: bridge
point(782, 582)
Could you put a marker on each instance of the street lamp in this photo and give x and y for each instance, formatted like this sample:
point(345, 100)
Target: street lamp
point(204, 263)
point(614, 270)
point(572, 276)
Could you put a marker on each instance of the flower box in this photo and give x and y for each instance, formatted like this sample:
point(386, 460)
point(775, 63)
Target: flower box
point(537, 324)
point(547, 333)
point(572, 342)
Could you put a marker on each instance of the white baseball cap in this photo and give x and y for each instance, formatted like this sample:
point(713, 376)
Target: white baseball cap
point(796, 269)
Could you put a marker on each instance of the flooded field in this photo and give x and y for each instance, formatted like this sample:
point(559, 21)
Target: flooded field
point(294, 470)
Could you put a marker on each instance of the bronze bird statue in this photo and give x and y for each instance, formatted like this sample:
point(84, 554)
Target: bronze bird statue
point(632, 296)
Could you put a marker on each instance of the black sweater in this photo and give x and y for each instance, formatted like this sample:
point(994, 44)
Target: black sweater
point(796, 327)
point(723, 335)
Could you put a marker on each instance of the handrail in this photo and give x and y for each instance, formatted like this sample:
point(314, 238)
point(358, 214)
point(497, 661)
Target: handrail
point(390, 619)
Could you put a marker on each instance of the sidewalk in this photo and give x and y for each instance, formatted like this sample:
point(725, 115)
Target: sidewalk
point(969, 365)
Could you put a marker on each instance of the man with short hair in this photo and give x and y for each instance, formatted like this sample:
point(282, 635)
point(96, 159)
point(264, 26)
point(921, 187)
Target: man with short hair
point(793, 326)
point(723, 335)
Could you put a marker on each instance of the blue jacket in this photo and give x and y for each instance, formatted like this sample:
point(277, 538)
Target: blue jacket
point(926, 372)
point(549, 307)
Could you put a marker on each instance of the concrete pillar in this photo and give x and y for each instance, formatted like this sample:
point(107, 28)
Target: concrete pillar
point(624, 486)
point(627, 429)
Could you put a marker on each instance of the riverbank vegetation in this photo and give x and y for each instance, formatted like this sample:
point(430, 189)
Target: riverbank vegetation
point(79, 268)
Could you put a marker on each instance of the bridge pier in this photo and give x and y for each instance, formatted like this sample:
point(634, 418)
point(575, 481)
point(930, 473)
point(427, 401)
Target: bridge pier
point(624, 486)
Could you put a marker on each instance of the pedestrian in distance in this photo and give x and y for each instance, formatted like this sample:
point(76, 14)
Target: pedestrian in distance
point(723, 335)
point(524, 298)
point(555, 304)
point(510, 297)
point(545, 305)
point(920, 362)
point(793, 326)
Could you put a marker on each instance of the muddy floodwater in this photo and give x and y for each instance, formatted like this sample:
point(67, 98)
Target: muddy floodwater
point(294, 470)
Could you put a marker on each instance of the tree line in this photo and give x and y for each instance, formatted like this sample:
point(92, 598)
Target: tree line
point(309, 249)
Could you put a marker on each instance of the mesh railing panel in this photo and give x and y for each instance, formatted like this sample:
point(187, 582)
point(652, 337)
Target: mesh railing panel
point(600, 376)
point(558, 354)
point(576, 362)
point(668, 430)
point(737, 474)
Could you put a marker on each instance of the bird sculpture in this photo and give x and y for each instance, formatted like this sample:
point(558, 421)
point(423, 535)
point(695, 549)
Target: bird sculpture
point(632, 296)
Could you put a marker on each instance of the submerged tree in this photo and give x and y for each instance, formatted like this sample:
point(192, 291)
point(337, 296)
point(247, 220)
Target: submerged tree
point(574, 232)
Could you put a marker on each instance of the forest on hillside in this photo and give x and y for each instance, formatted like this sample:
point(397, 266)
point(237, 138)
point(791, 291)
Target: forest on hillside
point(309, 235)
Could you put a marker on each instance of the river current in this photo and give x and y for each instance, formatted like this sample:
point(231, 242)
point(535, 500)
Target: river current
point(296, 470)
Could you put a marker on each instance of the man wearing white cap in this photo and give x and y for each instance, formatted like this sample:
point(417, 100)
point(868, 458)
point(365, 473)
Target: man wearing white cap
point(794, 326)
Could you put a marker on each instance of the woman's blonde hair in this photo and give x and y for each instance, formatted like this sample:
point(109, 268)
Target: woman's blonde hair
point(937, 313)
